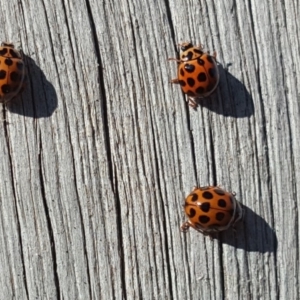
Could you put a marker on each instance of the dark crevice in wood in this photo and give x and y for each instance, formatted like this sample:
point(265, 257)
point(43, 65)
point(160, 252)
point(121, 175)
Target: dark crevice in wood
point(156, 209)
point(5, 124)
point(113, 179)
point(30, 82)
point(186, 254)
point(207, 278)
point(53, 57)
point(84, 242)
point(49, 224)
point(135, 111)
point(222, 277)
point(135, 260)
point(290, 146)
point(74, 168)
point(74, 59)
point(187, 107)
point(214, 276)
point(216, 23)
point(164, 217)
point(73, 160)
point(82, 223)
point(102, 92)
point(170, 22)
point(120, 243)
point(213, 162)
point(26, 62)
point(264, 138)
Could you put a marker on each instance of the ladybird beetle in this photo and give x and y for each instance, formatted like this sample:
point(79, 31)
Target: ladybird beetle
point(12, 72)
point(198, 73)
point(211, 209)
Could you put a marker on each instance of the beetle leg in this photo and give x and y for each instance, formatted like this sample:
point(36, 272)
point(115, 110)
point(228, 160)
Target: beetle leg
point(175, 81)
point(185, 227)
point(192, 102)
point(175, 59)
point(200, 46)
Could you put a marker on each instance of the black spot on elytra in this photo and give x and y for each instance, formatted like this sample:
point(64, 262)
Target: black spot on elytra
point(8, 62)
point(210, 59)
point(200, 90)
point(212, 72)
point(189, 68)
point(207, 195)
point(2, 74)
point(222, 203)
point(181, 72)
point(204, 219)
point(5, 88)
point(205, 206)
point(192, 213)
point(200, 62)
point(194, 197)
point(3, 51)
point(14, 76)
point(219, 192)
point(191, 82)
point(201, 77)
point(13, 53)
point(20, 65)
point(220, 216)
point(182, 82)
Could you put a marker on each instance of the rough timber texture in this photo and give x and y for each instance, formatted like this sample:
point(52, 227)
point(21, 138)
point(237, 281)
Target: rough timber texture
point(100, 150)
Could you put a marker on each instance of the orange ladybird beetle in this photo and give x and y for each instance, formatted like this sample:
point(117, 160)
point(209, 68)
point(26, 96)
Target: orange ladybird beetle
point(211, 209)
point(198, 73)
point(12, 72)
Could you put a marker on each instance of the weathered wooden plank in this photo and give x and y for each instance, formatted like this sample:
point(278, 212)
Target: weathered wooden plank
point(100, 150)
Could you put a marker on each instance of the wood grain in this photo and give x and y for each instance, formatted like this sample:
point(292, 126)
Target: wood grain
point(100, 150)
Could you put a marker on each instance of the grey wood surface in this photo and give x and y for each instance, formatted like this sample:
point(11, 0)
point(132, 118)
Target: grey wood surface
point(99, 151)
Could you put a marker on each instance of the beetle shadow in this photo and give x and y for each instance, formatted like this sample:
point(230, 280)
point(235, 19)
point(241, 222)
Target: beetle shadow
point(39, 99)
point(231, 97)
point(252, 234)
